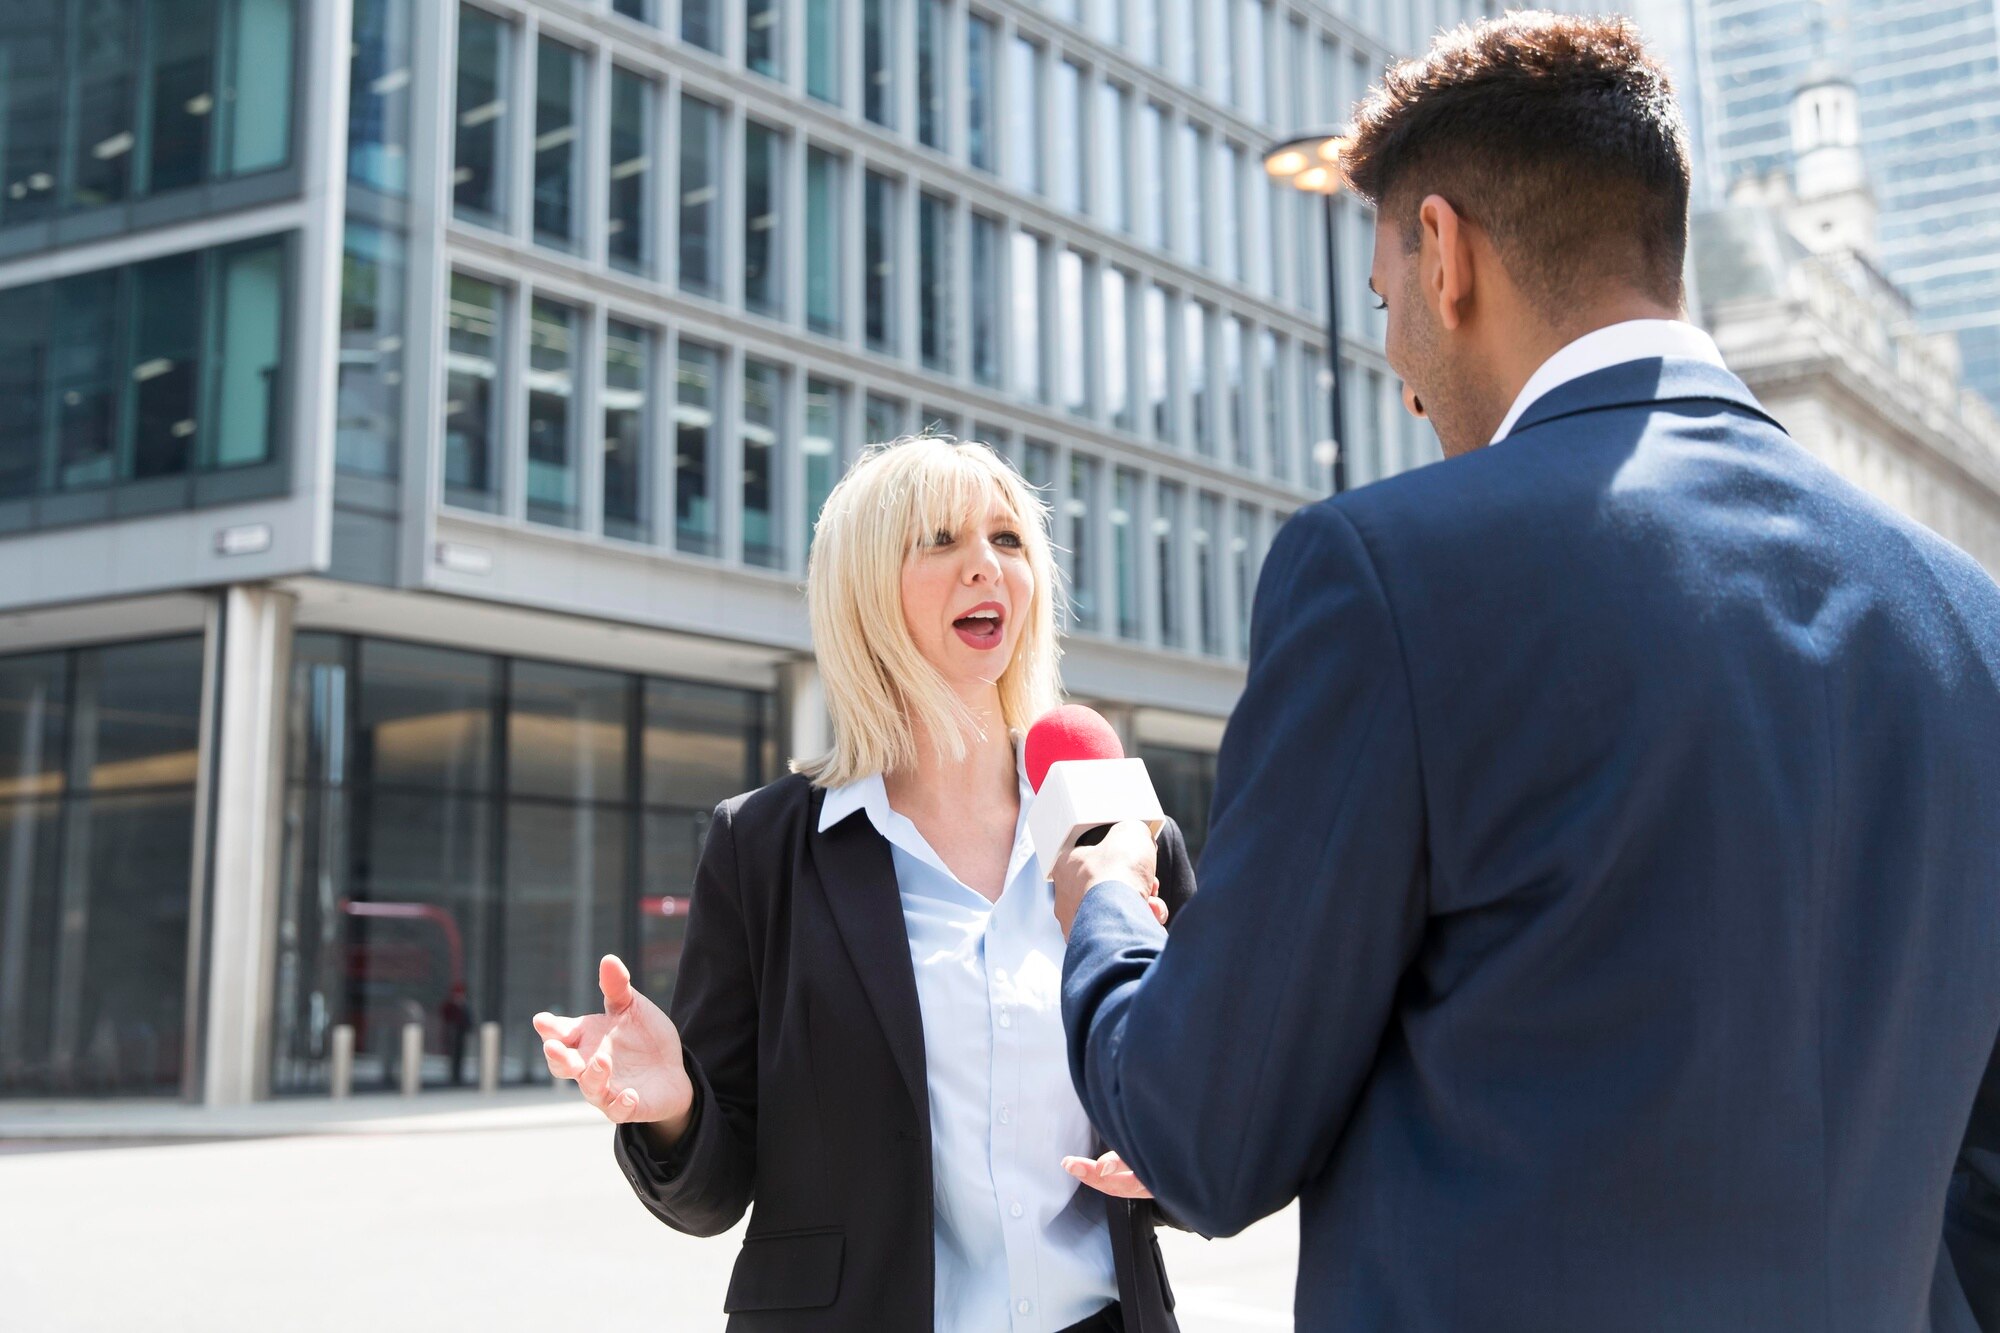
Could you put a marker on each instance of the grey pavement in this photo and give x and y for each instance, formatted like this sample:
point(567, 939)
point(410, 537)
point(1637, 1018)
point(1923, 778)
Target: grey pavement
point(444, 1213)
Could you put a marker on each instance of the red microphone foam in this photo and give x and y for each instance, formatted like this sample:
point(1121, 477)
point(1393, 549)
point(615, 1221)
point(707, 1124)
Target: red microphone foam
point(1069, 732)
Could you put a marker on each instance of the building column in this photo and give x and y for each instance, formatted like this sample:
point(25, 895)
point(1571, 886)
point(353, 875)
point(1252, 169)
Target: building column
point(804, 728)
point(240, 803)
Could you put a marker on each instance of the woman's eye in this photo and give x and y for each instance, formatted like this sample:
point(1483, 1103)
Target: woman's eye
point(941, 538)
point(1011, 540)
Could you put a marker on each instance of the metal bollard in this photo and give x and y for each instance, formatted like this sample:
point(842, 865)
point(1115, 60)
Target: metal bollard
point(413, 1059)
point(340, 1070)
point(489, 1057)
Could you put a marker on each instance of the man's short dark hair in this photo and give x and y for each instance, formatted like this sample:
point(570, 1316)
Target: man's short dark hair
point(1555, 133)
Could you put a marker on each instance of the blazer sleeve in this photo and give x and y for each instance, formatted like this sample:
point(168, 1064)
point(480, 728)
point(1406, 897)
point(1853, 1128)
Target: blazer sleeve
point(1972, 1205)
point(1224, 1066)
point(703, 1186)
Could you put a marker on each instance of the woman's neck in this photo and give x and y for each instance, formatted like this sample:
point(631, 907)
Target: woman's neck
point(987, 771)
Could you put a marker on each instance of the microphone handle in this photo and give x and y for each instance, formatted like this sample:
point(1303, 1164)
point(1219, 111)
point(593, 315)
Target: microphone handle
point(1090, 837)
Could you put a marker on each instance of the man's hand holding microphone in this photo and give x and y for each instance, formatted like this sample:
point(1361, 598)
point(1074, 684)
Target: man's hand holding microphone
point(1095, 815)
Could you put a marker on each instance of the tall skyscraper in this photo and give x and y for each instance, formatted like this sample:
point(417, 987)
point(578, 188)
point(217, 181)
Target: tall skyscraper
point(1928, 75)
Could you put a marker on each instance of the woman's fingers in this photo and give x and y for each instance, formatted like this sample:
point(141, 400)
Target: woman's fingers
point(563, 1061)
point(1159, 909)
point(1107, 1174)
point(559, 1027)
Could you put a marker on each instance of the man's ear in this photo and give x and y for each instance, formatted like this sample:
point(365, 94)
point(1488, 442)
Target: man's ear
point(1444, 259)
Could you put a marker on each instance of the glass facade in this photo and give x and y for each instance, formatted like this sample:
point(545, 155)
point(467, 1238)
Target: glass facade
point(469, 834)
point(480, 153)
point(559, 92)
point(368, 414)
point(628, 424)
point(628, 232)
point(98, 757)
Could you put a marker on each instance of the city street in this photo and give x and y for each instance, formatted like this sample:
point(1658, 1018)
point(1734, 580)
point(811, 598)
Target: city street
point(494, 1229)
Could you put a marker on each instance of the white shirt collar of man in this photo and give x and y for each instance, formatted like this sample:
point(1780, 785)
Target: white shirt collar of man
point(1612, 345)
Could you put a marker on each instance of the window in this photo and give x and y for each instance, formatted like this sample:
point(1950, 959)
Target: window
point(701, 203)
point(763, 171)
point(695, 400)
point(1153, 32)
point(628, 378)
point(479, 173)
point(1228, 215)
point(558, 116)
point(1108, 20)
point(164, 359)
point(1187, 44)
point(985, 305)
point(378, 96)
point(763, 43)
point(1277, 445)
point(553, 485)
point(248, 303)
point(1154, 169)
point(1313, 417)
point(32, 47)
point(1125, 552)
point(1026, 283)
point(1038, 466)
point(1223, 56)
point(1235, 425)
point(1194, 336)
point(763, 424)
point(1243, 564)
point(931, 30)
point(642, 10)
point(980, 80)
point(471, 396)
point(1074, 350)
point(1024, 121)
point(824, 446)
point(1113, 203)
point(1168, 516)
point(1156, 359)
point(1193, 189)
point(884, 419)
point(1257, 236)
point(1257, 52)
point(1086, 476)
point(935, 276)
point(880, 205)
point(878, 62)
point(701, 24)
point(823, 50)
point(629, 235)
point(1112, 299)
point(367, 429)
point(1069, 155)
point(1208, 571)
point(824, 211)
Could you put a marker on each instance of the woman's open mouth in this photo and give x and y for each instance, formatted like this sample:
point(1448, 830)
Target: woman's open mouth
point(980, 627)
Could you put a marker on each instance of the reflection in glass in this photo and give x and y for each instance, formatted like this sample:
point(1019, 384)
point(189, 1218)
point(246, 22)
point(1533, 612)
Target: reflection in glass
point(985, 311)
point(1155, 355)
point(367, 430)
point(85, 377)
point(1083, 505)
point(566, 732)
point(1074, 354)
point(1242, 563)
point(1193, 189)
point(472, 370)
point(558, 88)
point(1194, 338)
point(701, 204)
point(1026, 287)
point(1235, 404)
point(1125, 551)
point(628, 372)
point(1153, 174)
point(256, 103)
point(1038, 467)
point(425, 718)
point(878, 272)
point(763, 415)
point(552, 455)
point(104, 116)
point(562, 908)
point(824, 211)
point(763, 168)
point(823, 50)
point(1113, 204)
point(1024, 122)
point(878, 55)
point(180, 46)
point(629, 238)
point(1113, 299)
point(378, 96)
point(931, 113)
point(1228, 216)
point(694, 449)
point(1185, 781)
point(1277, 448)
point(248, 302)
point(884, 419)
point(1208, 570)
point(763, 44)
point(24, 357)
point(935, 275)
point(641, 10)
point(1256, 44)
point(1168, 516)
point(165, 362)
point(980, 82)
point(479, 161)
point(1070, 187)
point(31, 102)
point(826, 410)
point(701, 24)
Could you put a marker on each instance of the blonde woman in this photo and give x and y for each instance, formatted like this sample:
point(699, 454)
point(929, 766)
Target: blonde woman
point(866, 1033)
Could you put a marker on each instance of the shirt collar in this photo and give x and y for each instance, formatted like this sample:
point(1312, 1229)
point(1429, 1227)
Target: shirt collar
point(870, 795)
point(1613, 345)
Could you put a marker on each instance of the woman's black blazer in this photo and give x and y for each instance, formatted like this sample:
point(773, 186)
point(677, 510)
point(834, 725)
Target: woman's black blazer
point(797, 1008)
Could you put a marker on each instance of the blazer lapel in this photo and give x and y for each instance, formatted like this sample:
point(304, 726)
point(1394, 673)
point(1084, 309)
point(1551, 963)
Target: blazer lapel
point(858, 876)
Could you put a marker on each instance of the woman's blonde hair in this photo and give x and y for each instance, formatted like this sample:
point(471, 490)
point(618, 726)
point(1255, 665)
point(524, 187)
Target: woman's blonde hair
point(880, 692)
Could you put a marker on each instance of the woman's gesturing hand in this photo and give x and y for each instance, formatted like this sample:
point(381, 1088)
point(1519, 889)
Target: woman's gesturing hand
point(1108, 1174)
point(627, 1059)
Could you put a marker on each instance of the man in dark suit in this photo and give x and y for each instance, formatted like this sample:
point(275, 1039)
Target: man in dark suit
point(1600, 923)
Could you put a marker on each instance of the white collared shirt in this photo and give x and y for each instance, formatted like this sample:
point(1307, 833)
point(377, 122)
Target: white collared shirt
point(1612, 345)
point(1018, 1244)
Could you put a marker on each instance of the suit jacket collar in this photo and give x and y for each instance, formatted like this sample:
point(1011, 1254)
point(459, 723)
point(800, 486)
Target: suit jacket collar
point(1638, 384)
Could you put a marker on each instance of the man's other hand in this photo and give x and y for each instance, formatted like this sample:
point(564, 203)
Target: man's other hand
point(1127, 854)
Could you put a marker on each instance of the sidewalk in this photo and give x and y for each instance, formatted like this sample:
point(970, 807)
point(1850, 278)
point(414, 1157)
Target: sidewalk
point(453, 1111)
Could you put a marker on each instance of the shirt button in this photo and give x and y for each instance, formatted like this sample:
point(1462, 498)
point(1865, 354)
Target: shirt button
point(1024, 1307)
point(1006, 1116)
point(1016, 1210)
point(1006, 1022)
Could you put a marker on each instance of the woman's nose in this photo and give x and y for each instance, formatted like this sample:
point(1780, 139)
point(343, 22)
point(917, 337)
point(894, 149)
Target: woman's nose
point(982, 564)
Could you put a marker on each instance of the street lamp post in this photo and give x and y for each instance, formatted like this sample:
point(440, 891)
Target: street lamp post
point(1309, 164)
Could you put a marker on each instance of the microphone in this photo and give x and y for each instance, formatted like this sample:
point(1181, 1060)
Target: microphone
point(1082, 780)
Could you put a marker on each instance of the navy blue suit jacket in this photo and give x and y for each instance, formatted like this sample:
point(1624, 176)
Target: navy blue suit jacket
point(1600, 923)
